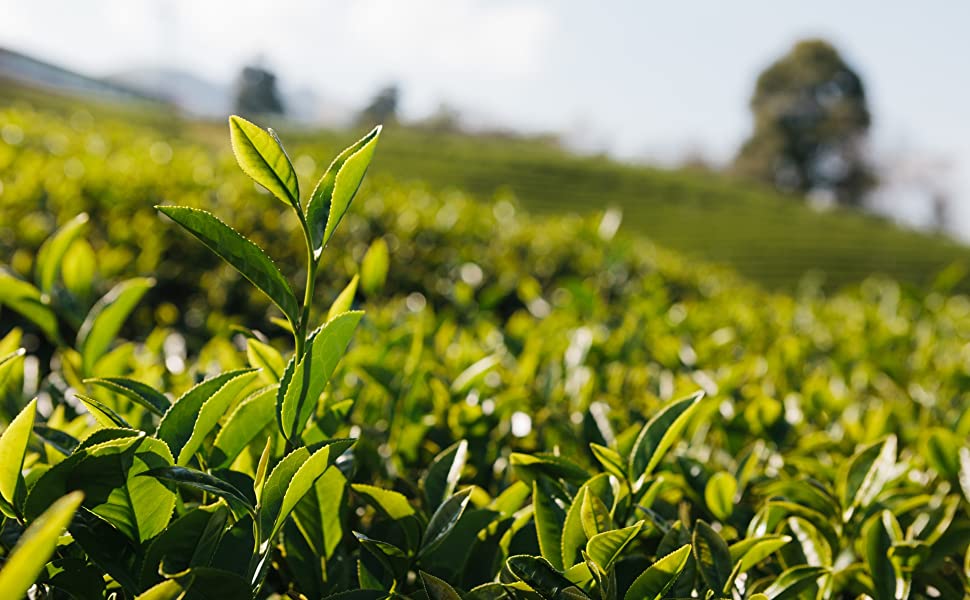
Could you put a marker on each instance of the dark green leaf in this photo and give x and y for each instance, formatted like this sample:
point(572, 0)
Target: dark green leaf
point(201, 481)
point(138, 392)
point(712, 555)
point(539, 575)
point(444, 472)
point(437, 589)
point(658, 435)
point(245, 256)
point(444, 519)
point(865, 474)
point(103, 414)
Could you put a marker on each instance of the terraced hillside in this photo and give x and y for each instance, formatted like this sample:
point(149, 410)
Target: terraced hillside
point(768, 237)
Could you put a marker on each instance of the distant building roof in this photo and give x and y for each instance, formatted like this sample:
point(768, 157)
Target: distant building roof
point(25, 69)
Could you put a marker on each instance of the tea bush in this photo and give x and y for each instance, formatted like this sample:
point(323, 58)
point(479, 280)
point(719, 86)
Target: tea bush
point(529, 409)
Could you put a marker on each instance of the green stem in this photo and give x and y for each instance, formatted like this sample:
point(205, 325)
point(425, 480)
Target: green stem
point(300, 329)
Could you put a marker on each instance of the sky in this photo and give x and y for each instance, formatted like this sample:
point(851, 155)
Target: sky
point(644, 80)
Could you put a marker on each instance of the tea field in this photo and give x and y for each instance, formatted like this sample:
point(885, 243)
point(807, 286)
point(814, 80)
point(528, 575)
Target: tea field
point(527, 406)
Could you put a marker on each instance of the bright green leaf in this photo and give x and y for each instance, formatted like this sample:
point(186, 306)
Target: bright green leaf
point(52, 252)
point(374, 267)
point(27, 300)
point(605, 548)
point(13, 447)
point(211, 411)
point(179, 423)
point(653, 583)
point(105, 319)
point(310, 377)
point(345, 300)
point(261, 156)
point(658, 435)
point(336, 189)
point(719, 494)
point(27, 560)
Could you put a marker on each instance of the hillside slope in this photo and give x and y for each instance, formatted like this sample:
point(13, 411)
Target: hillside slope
point(770, 238)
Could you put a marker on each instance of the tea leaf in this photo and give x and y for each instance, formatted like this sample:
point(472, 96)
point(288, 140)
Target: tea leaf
point(374, 267)
point(105, 319)
point(437, 589)
point(444, 472)
point(245, 256)
point(443, 520)
point(658, 435)
point(50, 255)
point(262, 157)
point(243, 425)
point(194, 415)
point(336, 189)
point(13, 448)
point(653, 583)
point(719, 494)
point(27, 300)
point(310, 377)
point(605, 548)
point(36, 545)
point(140, 393)
point(201, 481)
point(345, 300)
point(712, 555)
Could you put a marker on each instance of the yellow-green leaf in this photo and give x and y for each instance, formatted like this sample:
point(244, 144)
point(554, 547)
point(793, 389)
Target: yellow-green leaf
point(36, 546)
point(261, 156)
point(105, 319)
point(336, 189)
point(653, 583)
point(13, 447)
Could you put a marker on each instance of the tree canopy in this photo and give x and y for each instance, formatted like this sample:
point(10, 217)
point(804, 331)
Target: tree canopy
point(256, 92)
point(810, 122)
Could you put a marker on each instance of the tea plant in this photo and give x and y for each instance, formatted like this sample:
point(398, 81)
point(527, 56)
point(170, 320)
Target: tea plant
point(816, 466)
point(132, 477)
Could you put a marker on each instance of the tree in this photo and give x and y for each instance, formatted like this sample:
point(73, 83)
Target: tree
point(256, 92)
point(810, 122)
point(383, 107)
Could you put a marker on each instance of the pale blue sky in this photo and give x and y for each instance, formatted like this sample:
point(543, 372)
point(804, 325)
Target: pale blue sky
point(641, 79)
